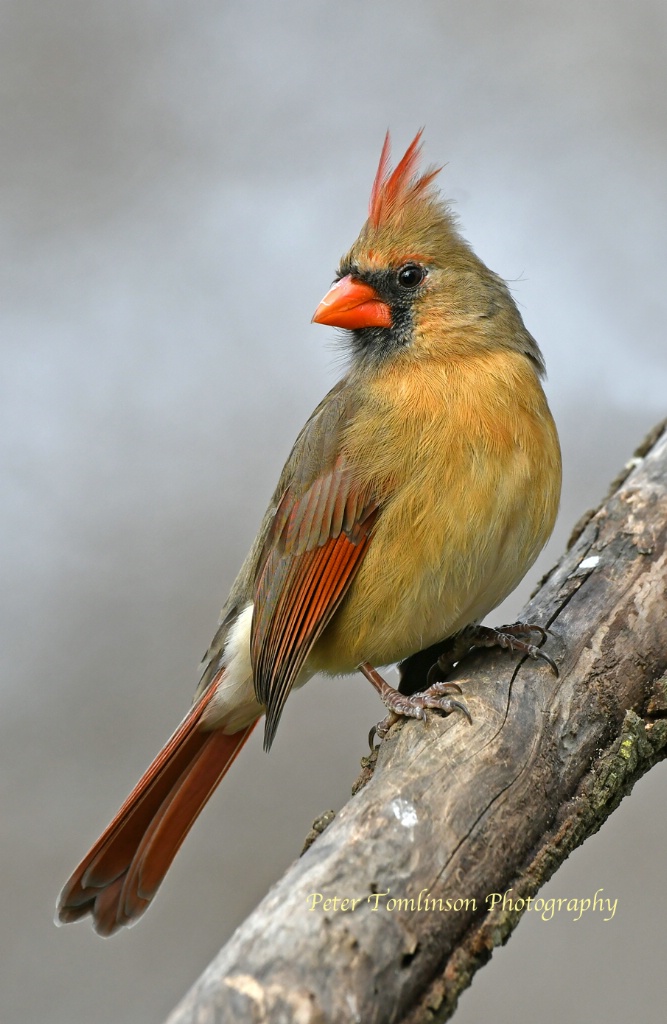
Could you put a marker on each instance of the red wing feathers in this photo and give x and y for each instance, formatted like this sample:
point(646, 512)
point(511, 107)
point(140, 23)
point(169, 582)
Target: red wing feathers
point(315, 546)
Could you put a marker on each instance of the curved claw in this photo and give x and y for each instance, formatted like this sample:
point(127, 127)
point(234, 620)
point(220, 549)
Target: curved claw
point(447, 705)
point(549, 660)
point(459, 705)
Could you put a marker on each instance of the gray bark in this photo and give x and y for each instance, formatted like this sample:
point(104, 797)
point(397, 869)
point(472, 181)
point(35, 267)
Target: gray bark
point(459, 812)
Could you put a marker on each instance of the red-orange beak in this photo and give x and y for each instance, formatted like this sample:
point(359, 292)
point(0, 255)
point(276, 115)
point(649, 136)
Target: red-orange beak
point(352, 304)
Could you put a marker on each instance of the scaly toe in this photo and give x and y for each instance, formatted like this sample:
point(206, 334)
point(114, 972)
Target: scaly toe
point(436, 701)
point(446, 705)
point(519, 629)
point(442, 688)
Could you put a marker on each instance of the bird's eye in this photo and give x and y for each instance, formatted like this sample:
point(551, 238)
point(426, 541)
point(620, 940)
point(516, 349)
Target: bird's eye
point(411, 275)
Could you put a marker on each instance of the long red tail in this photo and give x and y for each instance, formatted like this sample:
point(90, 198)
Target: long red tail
point(119, 876)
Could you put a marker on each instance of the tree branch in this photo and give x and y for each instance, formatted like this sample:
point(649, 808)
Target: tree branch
point(456, 813)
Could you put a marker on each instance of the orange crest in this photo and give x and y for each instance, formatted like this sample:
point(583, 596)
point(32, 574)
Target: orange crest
point(392, 190)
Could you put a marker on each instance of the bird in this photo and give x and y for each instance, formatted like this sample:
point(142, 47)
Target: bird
point(415, 498)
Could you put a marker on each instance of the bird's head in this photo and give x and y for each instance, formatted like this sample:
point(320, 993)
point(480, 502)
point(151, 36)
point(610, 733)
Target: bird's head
point(410, 284)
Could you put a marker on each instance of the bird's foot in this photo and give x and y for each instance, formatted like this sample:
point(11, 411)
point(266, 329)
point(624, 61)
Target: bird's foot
point(437, 698)
point(515, 637)
point(425, 668)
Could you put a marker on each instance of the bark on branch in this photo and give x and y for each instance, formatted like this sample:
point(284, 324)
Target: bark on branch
point(459, 812)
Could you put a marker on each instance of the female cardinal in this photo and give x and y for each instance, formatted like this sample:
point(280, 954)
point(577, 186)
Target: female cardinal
point(415, 498)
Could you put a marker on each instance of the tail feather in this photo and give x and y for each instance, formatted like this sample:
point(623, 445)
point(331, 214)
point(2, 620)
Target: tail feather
point(174, 819)
point(119, 841)
point(121, 873)
point(107, 909)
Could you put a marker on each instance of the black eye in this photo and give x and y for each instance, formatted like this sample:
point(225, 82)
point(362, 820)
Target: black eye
point(411, 275)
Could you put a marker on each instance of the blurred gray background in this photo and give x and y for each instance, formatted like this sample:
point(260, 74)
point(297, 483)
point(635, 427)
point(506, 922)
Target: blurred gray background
point(178, 183)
